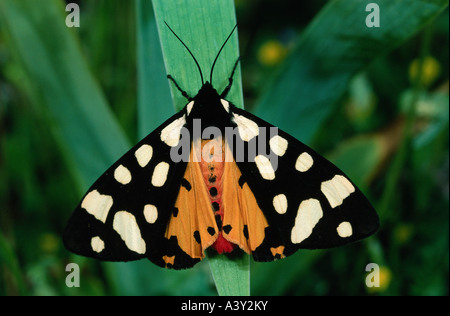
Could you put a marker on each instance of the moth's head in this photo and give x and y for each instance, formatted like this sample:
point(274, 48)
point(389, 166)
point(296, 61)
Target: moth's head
point(207, 97)
point(206, 91)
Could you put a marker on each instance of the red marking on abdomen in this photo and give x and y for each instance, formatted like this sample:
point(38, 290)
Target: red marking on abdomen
point(212, 171)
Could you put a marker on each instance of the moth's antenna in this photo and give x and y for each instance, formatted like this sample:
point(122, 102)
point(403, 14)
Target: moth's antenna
point(196, 62)
point(220, 50)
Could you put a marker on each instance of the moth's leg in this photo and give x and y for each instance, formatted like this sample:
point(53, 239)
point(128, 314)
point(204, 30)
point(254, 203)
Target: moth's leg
point(184, 93)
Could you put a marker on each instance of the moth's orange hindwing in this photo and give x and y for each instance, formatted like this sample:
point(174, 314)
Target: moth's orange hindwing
point(244, 222)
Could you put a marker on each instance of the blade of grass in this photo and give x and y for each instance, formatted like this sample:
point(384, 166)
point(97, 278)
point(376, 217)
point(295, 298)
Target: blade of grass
point(203, 26)
point(231, 274)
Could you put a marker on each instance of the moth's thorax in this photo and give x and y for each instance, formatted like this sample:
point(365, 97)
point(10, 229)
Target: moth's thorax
point(209, 107)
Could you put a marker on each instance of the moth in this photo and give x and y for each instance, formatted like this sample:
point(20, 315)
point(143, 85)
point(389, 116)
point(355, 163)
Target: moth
point(215, 176)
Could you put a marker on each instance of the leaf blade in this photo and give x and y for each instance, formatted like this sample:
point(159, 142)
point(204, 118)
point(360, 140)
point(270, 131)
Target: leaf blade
point(204, 39)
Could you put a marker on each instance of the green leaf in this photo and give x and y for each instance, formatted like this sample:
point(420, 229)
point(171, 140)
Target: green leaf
point(335, 46)
point(231, 273)
point(203, 26)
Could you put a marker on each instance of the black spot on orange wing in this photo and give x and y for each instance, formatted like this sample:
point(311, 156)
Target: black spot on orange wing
point(211, 231)
point(185, 183)
point(227, 229)
point(197, 237)
point(241, 181)
point(245, 231)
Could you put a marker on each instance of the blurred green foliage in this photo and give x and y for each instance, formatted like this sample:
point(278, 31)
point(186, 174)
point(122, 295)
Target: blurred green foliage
point(373, 100)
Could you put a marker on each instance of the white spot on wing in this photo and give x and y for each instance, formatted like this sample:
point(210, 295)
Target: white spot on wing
point(122, 175)
point(265, 167)
point(171, 133)
point(189, 107)
point(226, 105)
point(97, 244)
point(304, 162)
point(247, 128)
point(280, 203)
point(97, 204)
point(150, 213)
point(308, 215)
point(337, 189)
point(143, 155)
point(344, 229)
point(278, 145)
point(126, 226)
point(159, 176)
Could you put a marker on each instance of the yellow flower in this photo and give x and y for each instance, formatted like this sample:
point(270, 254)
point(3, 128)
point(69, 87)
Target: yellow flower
point(271, 53)
point(384, 278)
point(430, 72)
